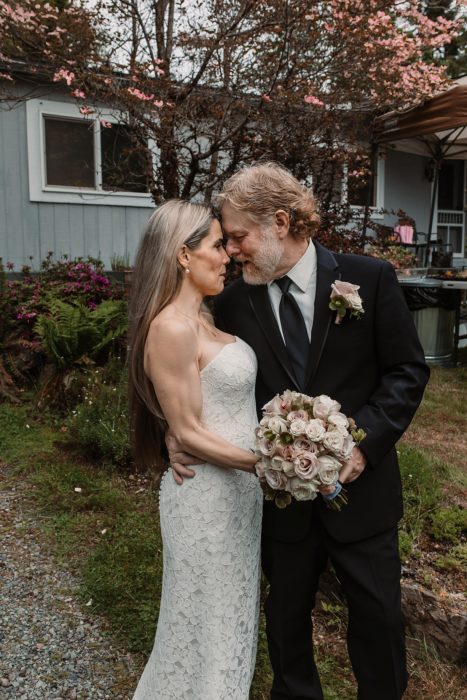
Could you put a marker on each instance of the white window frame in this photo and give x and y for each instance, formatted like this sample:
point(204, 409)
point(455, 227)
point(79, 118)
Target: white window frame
point(375, 210)
point(39, 191)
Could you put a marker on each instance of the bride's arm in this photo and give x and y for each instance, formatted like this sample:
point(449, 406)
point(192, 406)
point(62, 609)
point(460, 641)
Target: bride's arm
point(171, 362)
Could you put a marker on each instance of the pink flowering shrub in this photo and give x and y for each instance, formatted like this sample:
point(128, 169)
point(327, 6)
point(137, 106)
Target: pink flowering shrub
point(23, 301)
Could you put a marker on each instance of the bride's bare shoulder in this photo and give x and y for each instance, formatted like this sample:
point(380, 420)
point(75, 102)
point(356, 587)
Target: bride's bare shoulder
point(169, 330)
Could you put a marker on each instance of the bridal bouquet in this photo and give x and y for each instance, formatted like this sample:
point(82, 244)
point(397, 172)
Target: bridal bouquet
point(302, 443)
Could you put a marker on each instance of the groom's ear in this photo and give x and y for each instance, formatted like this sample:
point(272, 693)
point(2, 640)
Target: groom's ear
point(282, 221)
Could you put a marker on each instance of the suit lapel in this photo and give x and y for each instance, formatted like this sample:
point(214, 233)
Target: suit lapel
point(326, 274)
point(261, 306)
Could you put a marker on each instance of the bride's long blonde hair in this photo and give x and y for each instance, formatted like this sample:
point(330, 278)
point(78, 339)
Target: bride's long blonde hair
point(156, 281)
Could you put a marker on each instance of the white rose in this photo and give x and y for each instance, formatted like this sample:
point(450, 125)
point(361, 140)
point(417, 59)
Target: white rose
point(334, 441)
point(276, 480)
point(323, 406)
point(339, 420)
point(302, 490)
point(261, 468)
point(288, 468)
point(297, 427)
point(276, 463)
point(315, 429)
point(277, 424)
point(346, 449)
point(354, 301)
point(328, 471)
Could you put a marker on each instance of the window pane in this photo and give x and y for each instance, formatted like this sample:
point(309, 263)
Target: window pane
point(69, 152)
point(125, 160)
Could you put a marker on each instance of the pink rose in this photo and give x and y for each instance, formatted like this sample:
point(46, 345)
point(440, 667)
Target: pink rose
point(266, 447)
point(349, 292)
point(276, 480)
point(297, 415)
point(306, 465)
point(302, 444)
point(285, 451)
point(323, 406)
point(273, 406)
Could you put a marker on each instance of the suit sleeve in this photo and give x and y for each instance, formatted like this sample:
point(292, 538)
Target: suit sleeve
point(402, 369)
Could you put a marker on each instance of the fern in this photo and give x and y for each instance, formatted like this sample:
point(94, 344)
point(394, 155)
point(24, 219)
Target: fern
point(72, 333)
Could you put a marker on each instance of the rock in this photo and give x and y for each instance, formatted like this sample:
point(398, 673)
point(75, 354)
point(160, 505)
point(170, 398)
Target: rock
point(437, 621)
point(4, 682)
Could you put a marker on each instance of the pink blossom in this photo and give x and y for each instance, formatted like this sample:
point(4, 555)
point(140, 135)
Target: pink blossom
point(78, 93)
point(139, 94)
point(86, 110)
point(105, 124)
point(266, 98)
point(66, 75)
point(312, 100)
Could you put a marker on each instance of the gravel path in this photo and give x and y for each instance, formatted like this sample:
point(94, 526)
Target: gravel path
point(49, 648)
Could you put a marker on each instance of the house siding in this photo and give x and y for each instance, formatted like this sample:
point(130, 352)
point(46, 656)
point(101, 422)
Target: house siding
point(35, 228)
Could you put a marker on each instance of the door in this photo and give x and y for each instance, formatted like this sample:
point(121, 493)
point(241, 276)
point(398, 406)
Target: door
point(451, 205)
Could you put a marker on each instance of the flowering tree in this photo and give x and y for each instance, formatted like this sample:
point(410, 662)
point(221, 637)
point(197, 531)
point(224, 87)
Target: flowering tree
point(211, 84)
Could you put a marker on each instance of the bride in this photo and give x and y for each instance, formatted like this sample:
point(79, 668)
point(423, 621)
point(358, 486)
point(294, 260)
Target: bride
point(188, 377)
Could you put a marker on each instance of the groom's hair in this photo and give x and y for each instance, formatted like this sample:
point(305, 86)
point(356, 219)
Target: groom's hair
point(260, 190)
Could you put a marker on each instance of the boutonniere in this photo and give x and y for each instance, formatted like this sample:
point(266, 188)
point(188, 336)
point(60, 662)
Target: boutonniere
point(345, 297)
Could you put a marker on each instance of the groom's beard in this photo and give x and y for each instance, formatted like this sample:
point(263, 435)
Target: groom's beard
point(260, 268)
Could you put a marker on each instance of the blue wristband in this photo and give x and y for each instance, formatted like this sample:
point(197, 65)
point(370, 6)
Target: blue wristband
point(336, 492)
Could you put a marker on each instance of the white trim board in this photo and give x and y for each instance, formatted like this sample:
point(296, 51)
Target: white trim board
point(39, 191)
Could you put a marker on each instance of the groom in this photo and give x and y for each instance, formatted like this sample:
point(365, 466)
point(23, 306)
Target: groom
point(374, 366)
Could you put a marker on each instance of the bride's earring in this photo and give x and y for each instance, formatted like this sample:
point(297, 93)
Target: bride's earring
point(187, 269)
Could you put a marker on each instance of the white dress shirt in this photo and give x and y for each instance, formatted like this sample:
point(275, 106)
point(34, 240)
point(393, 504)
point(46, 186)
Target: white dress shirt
point(303, 288)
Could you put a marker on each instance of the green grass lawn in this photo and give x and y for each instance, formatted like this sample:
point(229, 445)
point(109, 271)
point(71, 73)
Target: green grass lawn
point(103, 524)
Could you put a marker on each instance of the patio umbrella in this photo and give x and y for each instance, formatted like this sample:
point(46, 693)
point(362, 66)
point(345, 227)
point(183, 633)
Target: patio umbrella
point(437, 128)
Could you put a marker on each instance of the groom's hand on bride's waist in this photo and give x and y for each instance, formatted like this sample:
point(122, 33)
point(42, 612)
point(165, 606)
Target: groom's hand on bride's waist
point(180, 462)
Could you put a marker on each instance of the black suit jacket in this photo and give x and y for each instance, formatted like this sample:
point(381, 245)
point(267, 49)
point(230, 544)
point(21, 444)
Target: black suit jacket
point(374, 366)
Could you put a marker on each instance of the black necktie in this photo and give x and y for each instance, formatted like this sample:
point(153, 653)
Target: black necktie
point(294, 330)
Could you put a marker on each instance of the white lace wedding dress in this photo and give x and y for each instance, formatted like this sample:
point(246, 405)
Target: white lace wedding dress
point(205, 646)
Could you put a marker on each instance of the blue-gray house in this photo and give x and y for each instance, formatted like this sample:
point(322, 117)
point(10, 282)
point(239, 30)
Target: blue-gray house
point(57, 192)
